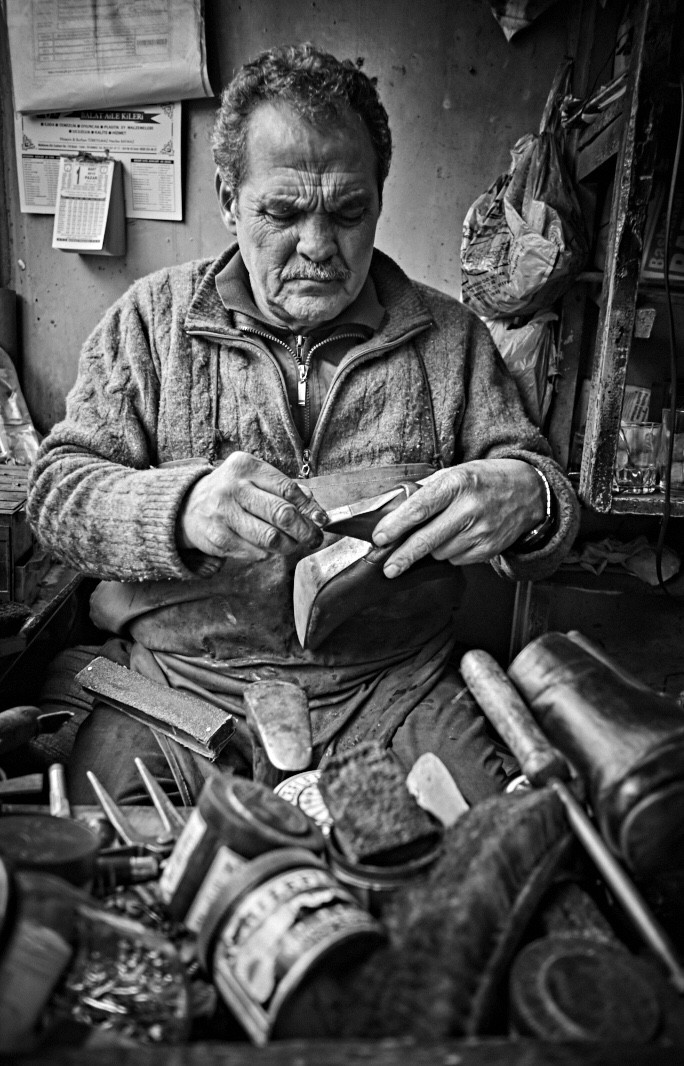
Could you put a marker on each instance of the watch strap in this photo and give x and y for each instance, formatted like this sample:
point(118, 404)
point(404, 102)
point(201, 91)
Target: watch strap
point(542, 533)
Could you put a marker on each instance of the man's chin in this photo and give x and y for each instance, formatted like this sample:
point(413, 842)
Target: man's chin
point(313, 308)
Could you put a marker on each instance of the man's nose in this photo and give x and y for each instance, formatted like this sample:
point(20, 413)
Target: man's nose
point(317, 238)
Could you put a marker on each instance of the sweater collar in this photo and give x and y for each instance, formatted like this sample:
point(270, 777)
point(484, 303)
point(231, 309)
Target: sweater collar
point(234, 288)
point(405, 310)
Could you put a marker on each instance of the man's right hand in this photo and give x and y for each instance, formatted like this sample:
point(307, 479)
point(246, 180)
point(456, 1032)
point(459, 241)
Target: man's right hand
point(247, 508)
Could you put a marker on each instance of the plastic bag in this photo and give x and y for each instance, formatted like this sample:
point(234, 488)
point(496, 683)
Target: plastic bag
point(516, 15)
point(19, 441)
point(524, 240)
point(530, 354)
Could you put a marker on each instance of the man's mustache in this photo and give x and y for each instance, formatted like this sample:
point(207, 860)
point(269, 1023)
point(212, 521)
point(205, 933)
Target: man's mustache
point(316, 272)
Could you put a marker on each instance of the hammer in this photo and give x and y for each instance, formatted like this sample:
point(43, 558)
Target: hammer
point(543, 765)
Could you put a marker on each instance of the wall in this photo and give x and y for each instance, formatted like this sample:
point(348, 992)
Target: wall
point(458, 95)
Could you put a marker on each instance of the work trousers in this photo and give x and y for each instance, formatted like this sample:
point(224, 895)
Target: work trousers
point(447, 722)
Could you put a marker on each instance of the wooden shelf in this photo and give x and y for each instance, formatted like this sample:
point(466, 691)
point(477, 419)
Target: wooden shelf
point(640, 112)
point(646, 505)
point(600, 141)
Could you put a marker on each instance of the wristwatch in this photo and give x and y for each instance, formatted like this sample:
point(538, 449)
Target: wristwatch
point(537, 537)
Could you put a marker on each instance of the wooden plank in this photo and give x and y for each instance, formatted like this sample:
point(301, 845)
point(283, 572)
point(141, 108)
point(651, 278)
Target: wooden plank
point(604, 144)
point(569, 351)
point(635, 165)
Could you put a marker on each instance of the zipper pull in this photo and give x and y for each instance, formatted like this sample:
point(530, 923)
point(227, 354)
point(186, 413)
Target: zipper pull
point(300, 341)
point(301, 385)
point(305, 469)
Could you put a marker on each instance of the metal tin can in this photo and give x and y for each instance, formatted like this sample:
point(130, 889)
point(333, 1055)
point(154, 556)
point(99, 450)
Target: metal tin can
point(283, 914)
point(302, 790)
point(373, 883)
point(235, 820)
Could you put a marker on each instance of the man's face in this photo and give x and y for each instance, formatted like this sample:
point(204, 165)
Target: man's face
point(305, 215)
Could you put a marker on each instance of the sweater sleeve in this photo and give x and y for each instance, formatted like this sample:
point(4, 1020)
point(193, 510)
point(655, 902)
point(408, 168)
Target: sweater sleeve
point(495, 426)
point(98, 499)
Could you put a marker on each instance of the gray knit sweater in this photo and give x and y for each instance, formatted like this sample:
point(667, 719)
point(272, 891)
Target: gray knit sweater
point(166, 377)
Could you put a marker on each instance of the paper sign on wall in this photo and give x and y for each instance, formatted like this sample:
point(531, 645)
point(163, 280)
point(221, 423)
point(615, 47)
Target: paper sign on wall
point(69, 54)
point(147, 141)
point(89, 216)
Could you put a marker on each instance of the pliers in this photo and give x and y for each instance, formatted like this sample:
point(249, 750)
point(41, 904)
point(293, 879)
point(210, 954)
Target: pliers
point(172, 821)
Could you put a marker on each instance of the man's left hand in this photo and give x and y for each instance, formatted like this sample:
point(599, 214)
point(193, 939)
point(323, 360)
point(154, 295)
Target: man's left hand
point(464, 514)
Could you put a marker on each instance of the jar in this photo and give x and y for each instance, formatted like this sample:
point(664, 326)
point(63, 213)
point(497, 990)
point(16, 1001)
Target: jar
point(235, 819)
point(263, 941)
point(374, 883)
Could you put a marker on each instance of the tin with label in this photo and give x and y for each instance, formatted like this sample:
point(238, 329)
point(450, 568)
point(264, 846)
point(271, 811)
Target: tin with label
point(235, 820)
point(282, 916)
point(302, 791)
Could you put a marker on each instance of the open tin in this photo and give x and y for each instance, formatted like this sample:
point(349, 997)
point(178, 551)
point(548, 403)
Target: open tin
point(282, 915)
point(235, 820)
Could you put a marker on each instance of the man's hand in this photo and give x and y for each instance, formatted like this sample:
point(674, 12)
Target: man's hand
point(247, 508)
point(466, 514)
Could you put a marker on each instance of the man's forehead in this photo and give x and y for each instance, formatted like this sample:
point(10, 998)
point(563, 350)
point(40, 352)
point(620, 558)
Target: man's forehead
point(281, 144)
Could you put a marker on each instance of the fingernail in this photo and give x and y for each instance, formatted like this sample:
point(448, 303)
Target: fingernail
point(392, 570)
point(380, 539)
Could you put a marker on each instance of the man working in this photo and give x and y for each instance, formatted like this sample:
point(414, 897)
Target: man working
point(212, 393)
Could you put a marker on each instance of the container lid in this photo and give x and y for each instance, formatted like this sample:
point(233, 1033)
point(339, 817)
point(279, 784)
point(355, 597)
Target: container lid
point(54, 845)
point(243, 881)
point(390, 876)
point(574, 987)
point(253, 819)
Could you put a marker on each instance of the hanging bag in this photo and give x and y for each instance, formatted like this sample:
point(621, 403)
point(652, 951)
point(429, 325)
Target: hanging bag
point(524, 240)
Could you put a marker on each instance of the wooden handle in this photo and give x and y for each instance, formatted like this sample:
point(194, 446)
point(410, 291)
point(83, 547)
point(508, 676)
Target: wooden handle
point(18, 725)
point(510, 716)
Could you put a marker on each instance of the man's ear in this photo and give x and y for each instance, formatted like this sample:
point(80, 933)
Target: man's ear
point(226, 203)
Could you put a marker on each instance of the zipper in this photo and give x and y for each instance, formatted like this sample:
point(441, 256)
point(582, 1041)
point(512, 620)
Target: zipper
point(306, 466)
point(303, 364)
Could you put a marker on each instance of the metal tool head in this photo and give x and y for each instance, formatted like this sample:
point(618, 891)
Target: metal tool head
point(279, 720)
point(161, 844)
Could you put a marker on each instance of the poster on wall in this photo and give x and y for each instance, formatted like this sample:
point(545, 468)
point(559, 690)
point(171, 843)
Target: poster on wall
point(67, 54)
point(146, 140)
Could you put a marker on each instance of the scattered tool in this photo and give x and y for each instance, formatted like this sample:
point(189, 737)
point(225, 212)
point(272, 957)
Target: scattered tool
point(172, 821)
point(59, 801)
point(17, 788)
point(19, 725)
point(280, 726)
point(360, 518)
point(508, 713)
point(435, 790)
point(506, 709)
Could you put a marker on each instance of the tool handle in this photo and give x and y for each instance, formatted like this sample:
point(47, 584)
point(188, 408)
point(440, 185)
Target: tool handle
point(18, 725)
point(510, 716)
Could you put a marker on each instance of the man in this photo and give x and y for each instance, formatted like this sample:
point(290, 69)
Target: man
point(212, 393)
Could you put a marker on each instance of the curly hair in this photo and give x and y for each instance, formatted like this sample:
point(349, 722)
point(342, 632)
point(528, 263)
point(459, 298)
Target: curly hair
point(319, 87)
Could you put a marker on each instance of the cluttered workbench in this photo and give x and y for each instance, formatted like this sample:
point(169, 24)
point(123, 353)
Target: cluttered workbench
point(355, 913)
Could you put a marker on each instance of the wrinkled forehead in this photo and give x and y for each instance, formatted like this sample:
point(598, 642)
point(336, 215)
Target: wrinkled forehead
point(279, 139)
